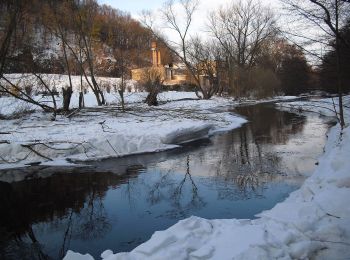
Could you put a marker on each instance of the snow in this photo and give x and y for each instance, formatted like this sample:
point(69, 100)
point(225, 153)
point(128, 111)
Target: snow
point(59, 81)
point(133, 93)
point(313, 222)
point(104, 132)
point(71, 255)
point(325, 106)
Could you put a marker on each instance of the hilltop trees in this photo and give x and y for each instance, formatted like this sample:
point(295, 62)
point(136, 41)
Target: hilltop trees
point(9, 24)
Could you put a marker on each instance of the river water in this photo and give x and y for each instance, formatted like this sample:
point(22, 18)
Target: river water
point(119, 203)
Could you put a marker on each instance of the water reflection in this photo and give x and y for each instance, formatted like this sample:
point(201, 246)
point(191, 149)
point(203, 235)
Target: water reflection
point(118, 204)
point(73, 205)
point(178, 190)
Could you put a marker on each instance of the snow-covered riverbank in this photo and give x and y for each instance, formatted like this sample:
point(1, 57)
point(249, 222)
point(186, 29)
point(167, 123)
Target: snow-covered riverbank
point(313, 222)
point(103, 132)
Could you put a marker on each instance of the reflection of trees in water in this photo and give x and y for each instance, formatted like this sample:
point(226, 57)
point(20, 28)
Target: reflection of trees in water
point(24, 248)
point(72, 204)
point(156, 190)
point(270, 125)
point(181, 194)
point(131, 191)
point(195, 202)
point(92, 221)
point(248, 160)
point(67, 236)
point(248, 164)
point(245, 154)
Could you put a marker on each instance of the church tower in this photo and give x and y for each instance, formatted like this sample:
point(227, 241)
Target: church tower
point(156, 58)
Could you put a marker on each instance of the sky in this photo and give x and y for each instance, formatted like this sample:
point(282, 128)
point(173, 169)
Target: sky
point(134, 7)
point(198, 26)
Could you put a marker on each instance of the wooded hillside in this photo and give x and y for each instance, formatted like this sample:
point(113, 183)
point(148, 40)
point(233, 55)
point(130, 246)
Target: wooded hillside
point(46, 33)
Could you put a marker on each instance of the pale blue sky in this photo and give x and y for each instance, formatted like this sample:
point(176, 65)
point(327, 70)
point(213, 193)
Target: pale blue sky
point(133, 6)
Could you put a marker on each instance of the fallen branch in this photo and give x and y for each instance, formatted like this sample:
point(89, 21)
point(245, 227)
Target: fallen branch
point(17, 161)
point(73, 113)
point(112, 147)
point(36, 152)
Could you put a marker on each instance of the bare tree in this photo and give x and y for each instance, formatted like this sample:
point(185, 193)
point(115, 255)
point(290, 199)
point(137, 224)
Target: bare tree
point(205, 57)
point(152, 80)
point(58, 25)
point(180, 24)
point(241, 28)
point(120, 39)
point(326, 18)
point(84, 15)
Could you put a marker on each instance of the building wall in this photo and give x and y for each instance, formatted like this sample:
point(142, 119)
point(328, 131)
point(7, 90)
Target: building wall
point(171, 75)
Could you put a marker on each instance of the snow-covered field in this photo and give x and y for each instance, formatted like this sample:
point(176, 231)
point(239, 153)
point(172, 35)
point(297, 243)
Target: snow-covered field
point(312, 223)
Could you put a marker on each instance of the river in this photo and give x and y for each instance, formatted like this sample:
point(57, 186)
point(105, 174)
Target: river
point(119, 203)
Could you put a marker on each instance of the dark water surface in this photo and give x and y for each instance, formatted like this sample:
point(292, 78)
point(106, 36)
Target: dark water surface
point(118, 204)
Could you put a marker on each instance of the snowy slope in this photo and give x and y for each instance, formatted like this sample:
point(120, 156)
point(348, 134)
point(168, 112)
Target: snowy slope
point(313, 222)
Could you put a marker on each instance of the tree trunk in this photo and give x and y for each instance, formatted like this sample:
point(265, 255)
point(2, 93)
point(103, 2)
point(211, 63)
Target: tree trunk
point(103, 100)
point(151, 98)
point(81, 99)
point(339, 83)
point(121, 94)
point(67, 94)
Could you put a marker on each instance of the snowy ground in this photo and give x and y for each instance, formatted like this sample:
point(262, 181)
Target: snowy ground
point(101, 132)
point(29, 136)
point(324, 106)
point(132, 94)
point(58, 81)
point(312, 223)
